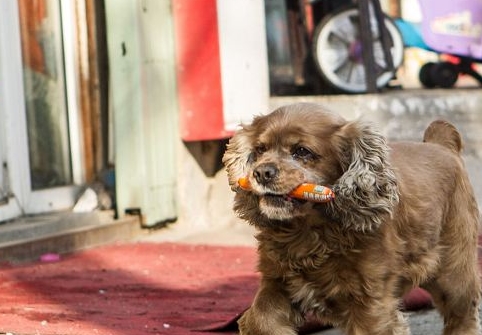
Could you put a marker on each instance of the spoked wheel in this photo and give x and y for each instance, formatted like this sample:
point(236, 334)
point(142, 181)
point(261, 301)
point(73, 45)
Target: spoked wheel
point(337, 51)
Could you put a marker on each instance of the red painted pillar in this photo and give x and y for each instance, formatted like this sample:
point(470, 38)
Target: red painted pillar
point(198, 70)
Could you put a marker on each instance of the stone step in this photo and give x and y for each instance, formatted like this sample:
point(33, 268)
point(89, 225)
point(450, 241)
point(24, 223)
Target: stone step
point(28, 238)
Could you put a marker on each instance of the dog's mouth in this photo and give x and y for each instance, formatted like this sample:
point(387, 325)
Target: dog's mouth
point(280, 206)
point(281, 200)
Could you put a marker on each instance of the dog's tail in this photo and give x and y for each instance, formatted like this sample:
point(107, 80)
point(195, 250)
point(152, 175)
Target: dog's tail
point(445, 134)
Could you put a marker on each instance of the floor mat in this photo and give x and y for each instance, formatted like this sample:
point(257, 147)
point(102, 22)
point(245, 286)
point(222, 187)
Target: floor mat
point(129, 289)
point(144, 288)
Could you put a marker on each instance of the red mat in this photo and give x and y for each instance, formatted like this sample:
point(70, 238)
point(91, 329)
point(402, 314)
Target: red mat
point(129, 289)
point(133, 289)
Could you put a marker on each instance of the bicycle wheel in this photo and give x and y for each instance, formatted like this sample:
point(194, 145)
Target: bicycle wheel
point(337, 50)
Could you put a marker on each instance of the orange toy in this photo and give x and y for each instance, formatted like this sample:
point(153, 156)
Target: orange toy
point(305, 191)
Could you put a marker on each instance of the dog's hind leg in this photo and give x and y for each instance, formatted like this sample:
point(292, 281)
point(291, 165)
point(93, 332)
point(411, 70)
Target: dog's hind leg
point(455, 289)
point(457, 300)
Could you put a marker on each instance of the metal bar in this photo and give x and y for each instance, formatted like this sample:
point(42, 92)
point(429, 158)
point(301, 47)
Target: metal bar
point(384, 35)
point(367, 45)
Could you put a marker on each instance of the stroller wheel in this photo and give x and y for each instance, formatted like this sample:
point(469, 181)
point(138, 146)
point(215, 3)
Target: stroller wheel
point(444, 74)
point(425, 75)
point(337, 51)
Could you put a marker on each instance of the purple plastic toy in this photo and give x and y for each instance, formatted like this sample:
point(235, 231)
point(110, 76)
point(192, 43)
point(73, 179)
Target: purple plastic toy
point(453, 27)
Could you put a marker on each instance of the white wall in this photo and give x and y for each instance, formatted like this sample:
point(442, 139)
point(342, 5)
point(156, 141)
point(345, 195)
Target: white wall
point(244, 59)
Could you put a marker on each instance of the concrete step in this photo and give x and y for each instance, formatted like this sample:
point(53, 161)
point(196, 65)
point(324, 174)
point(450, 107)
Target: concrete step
point(27, 238)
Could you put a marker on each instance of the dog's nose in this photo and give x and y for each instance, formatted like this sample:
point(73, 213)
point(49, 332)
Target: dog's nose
point(265, 173)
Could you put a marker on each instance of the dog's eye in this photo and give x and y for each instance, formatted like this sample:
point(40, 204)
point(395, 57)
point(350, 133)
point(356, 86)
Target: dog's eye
point(260, 149)
point(302, 152)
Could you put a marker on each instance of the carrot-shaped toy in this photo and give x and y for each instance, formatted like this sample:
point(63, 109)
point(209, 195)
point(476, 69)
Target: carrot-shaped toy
point(305, 191)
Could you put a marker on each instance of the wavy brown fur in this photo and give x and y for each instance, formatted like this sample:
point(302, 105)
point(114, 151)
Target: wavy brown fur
point(404, 216)
point(367, 191)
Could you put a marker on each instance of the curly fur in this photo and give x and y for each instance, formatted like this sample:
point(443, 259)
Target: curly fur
point(367, 169)
point(404, 216)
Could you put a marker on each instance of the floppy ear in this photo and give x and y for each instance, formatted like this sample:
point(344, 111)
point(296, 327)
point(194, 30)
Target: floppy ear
point(367, 191)
point(236, 157)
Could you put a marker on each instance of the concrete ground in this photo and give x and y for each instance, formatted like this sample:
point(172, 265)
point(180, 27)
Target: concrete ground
point(426, 322)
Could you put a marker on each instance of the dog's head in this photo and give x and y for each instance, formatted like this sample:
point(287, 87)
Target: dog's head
point(303, 143)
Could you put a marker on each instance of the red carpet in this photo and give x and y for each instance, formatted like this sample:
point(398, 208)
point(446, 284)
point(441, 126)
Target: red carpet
point(133, 289)
point(128, 289)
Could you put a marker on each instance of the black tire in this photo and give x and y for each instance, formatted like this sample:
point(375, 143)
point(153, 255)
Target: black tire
point(444, 74)
point(425, 75)
point(336, 36)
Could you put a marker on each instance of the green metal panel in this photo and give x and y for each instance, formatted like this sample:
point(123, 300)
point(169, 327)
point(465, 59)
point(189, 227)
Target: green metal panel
point(143, 102)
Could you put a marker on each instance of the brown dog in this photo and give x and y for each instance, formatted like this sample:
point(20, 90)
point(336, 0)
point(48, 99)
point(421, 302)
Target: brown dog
point(404, 216)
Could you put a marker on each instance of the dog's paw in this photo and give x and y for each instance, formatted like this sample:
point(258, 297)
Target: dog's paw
point(249, 325)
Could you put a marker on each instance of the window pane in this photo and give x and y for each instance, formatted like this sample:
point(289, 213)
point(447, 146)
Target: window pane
point(45, 96)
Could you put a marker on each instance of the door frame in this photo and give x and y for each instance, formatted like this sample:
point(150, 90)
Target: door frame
point(14, 142)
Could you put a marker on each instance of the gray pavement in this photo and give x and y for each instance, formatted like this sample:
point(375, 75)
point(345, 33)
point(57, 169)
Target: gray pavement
point(426, 322)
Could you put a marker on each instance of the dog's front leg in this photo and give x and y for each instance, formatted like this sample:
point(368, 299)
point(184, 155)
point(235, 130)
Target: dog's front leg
point(271, 312)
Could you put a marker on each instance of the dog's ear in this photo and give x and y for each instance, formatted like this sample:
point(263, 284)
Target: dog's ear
point(236, 157)
point(367, 191)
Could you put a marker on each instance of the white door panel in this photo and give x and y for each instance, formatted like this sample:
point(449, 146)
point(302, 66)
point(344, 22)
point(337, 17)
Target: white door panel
point(37, 109)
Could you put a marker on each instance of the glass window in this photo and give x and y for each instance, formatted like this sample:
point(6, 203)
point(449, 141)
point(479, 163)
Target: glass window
point(45, 94)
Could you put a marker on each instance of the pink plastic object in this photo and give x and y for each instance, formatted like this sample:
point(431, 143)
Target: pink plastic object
point(50, 257)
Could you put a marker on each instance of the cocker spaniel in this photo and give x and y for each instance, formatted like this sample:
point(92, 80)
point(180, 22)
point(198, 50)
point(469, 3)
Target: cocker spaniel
point(404, 216)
